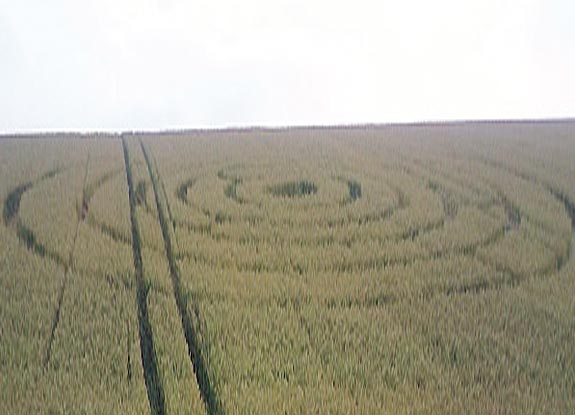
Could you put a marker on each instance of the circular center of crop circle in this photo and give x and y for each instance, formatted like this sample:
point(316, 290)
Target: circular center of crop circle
point(293, 189)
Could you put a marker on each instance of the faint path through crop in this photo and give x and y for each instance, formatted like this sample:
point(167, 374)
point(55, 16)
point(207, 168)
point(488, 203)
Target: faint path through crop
point(67, 267)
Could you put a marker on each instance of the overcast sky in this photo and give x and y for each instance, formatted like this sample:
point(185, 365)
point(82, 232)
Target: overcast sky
point(157, 64)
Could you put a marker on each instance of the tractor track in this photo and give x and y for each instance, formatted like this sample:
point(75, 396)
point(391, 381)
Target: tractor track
point(207, 391)
point(152, 379)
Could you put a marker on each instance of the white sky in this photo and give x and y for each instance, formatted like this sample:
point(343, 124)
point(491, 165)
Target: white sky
point(157, 64)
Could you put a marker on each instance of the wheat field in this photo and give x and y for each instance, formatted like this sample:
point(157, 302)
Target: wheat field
point(393, 269)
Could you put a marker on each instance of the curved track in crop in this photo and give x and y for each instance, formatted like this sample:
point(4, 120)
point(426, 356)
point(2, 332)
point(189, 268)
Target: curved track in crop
point(399, 216)
point(354, 222)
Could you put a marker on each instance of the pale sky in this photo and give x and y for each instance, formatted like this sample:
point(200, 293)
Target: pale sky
point(159, 64)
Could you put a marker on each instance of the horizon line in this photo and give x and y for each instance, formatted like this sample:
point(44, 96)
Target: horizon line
point(285, 127)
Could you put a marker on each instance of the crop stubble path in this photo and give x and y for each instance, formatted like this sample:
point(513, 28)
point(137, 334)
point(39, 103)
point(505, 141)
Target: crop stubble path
point(206, 389)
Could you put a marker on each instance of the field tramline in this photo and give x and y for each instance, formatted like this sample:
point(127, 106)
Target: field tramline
point(331, 270)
